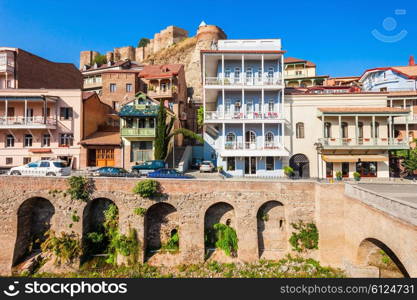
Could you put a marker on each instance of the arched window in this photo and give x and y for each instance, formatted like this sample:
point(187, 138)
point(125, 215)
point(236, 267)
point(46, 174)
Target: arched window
point(269, 139)
point(344, 130)
point(299, 130)
point(327, 130)
point(375, 132)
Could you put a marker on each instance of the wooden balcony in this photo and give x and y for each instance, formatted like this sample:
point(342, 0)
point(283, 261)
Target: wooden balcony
point(138, 132)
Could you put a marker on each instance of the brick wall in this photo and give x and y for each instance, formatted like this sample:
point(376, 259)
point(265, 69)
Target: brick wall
point(120, 79)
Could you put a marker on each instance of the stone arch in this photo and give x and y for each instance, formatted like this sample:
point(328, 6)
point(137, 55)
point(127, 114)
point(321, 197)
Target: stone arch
point(93, 220)
point(301, 165)
point(272, 238)
point(33, 221)
point(161, 222)
point(389, 265)
point(220, 212)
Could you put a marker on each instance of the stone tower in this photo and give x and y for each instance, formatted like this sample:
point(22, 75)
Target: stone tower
point(87, 57)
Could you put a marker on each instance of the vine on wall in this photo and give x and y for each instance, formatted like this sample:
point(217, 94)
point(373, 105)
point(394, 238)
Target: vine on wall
point(305, 237)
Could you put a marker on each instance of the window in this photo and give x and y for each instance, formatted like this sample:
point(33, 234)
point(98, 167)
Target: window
point(10, 111)
point(231, 164)
point(269, 139)
point(27, 160)
point(28, 140)
point(360, 130)
point(260, 74)
point(270, 73)
point(230, 141)
point(48, 112)
point(345, 169)
point(66, 139)
point(271, 106)
point(270, 163)
point(65, 113)
point(44, 164)
point(112, 87)
point(128, 87)
point(115, 105)
point(151, 123)
point(375, 132)
point(327, 130)
point(329, 170)
point(9, 141)
point(344, 130)
point(367, 169)
point(383, 89)
point(227, 73)
point(227, 108)
point(9, 84)
point(249, 74)
point(249, 106)
point(237, 74)
point(299, 130)
point(46, 140)
point(9, 160)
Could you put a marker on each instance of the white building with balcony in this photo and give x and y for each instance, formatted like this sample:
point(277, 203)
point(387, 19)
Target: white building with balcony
point(243, 93)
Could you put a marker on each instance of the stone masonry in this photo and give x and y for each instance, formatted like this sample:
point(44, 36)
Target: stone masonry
point(190, 205)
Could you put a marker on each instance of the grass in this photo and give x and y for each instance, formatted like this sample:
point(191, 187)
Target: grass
point(289, 267)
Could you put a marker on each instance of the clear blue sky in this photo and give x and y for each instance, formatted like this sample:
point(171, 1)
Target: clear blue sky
point(336, 35)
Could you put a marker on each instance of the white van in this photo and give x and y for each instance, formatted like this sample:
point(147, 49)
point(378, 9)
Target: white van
point(43, 168)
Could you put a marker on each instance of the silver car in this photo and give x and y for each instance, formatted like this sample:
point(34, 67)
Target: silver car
point(42, 168)
point(206, 166)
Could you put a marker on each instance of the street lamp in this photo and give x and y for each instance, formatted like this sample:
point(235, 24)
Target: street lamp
point(319, 148)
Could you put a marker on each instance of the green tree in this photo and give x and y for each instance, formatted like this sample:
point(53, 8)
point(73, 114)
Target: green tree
point(200, 117)
point(164, 133)
point(410, 162)
point(100, 59)
point(143, 42)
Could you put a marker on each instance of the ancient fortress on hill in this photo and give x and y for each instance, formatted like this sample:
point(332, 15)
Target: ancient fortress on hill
point(171, 45)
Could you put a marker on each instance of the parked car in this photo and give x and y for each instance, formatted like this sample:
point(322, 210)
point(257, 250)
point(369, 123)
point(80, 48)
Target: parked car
point(43, 168)
point(112, 172)
point(168, 173)
point(148, 166)
point(206, 166)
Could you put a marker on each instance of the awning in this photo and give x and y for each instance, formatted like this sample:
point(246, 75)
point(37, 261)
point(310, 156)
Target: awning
point(40, 150)
point(353, 158)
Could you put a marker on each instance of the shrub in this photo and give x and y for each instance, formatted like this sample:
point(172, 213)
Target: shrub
point(79, 188)
point(147, 188)
point(173, 244)
point(225, 239)
point(306, 236)
point(357, 176)
point(288, 171)
point(66, 247)
point(140, 211)
point(339, 175)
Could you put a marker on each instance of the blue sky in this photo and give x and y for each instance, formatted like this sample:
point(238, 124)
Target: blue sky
point(336, 35)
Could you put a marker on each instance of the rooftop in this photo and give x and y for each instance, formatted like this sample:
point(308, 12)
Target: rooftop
point(250, 45)
point(360, 110)
point(160, 71)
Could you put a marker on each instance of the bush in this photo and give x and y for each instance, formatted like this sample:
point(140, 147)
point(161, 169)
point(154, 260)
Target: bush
point(173, 243)
point(288, 171)
point(357, 176)
point(147, 188)
point(339, 175)
point(79, 188)
point(66, 248)
point(140, 211)
point(224, 237)
point(305, 238)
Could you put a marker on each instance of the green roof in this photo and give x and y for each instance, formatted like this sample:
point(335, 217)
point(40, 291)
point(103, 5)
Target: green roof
point(139, 111)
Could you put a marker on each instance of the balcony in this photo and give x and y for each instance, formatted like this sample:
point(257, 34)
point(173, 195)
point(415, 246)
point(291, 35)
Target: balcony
point(9, 68)
point(364, 143)
point(411, 119)
point(28, 122)
point(138, 132)
point(160, 93)
point(252, 149)
point(213, 116)
point(243, 81)
point(290, 75)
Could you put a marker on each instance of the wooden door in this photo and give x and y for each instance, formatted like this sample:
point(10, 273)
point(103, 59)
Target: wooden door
point(105, 157)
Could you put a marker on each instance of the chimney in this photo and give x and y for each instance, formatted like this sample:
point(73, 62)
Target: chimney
point(411, 61)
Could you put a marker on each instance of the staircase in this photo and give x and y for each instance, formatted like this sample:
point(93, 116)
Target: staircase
point(179, 151)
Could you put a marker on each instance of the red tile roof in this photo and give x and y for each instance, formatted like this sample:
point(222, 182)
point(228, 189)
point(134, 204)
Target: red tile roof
point(102, 138)
point(289, 60)
point(160, 71)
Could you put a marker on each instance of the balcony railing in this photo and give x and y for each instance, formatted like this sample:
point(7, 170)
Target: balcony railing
point(214, 115)
point(6, 68)
point(252, 146)
point(363, 142)
point(294, 75)
point(160, 93)
point(138, 132)
point(244, 80)
point(28, 121)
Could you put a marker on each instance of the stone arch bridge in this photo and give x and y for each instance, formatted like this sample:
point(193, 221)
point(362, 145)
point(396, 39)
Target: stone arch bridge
point(353, 222)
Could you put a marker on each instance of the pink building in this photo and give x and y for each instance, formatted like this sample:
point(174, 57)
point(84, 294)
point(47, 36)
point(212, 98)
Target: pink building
point(40, 109)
